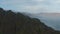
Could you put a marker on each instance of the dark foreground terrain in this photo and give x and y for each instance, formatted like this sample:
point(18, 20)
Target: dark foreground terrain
point(18, 23)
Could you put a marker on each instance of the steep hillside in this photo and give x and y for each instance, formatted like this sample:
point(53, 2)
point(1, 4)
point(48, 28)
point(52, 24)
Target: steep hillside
point(17, 23)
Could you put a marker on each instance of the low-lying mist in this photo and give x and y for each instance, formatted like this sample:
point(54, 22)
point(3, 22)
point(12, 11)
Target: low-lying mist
point(52, 20)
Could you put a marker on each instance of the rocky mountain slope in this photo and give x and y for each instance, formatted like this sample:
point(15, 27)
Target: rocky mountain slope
point(18, 23)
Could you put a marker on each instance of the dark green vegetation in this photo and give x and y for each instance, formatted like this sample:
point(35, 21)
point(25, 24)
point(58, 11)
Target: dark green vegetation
point(17, 23)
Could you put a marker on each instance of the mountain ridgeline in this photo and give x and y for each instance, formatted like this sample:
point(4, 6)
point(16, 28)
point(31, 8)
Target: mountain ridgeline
point(18, 23)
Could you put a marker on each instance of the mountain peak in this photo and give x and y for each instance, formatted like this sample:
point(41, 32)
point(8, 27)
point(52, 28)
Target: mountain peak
point(18, 23)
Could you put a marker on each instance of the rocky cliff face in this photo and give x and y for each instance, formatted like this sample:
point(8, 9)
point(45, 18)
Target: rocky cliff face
point(17, 23)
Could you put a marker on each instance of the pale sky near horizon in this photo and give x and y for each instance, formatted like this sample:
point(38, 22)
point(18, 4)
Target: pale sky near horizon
point(32, 6)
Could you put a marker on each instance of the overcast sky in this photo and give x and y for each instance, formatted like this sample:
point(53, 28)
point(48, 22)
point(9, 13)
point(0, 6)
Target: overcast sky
point(31, 6)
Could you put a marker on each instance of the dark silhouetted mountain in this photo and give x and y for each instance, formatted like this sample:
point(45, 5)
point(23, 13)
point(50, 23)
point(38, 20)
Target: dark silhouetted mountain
point(18, 23)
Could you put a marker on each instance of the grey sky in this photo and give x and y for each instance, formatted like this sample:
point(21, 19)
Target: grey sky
point(32, 6)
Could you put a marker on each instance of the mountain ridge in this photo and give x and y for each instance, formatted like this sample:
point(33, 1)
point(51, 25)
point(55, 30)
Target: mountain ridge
point(18, 23)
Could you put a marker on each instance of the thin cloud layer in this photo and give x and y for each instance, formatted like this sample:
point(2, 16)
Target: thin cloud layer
point(32, 6)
